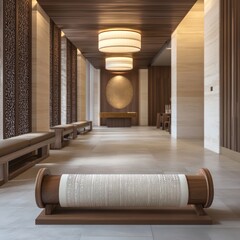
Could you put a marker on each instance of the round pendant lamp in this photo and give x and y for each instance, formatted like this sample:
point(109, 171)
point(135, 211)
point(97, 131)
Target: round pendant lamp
point(119, 41)
point(119, 63)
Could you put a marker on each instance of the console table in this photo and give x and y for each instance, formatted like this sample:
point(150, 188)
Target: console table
point(118, 119)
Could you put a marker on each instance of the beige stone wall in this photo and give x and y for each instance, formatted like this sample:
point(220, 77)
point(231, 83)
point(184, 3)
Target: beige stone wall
point(81, 85)
point(212, 75)
point(96, 96)
point(92, 94)
point(143, 97)
point(40, 69)
point(63, 80)
point(188, 75)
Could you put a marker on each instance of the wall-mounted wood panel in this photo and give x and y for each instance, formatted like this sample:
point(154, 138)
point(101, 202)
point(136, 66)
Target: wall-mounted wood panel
point(71, 82)
point(17, 104)
point(132, 76)
point(230, 74)
point(55, 74)
point(159, 91)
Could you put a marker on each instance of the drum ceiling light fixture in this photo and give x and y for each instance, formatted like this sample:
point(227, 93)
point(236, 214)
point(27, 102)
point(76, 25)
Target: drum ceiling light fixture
point(119, 41)
point(119, 63)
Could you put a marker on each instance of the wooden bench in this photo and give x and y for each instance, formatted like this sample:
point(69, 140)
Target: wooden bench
point(83, 126)
point(117, 119)
point(22, 152)
point(61, 131)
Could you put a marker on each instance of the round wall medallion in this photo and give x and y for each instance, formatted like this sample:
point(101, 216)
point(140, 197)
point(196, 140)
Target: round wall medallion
point(119, 92)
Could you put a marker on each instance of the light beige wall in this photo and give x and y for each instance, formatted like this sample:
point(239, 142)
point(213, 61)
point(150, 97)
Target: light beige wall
point(63, 80)
point(96, 96)
point(212, 75)
point(82, 71)
point(188, 75)
point(174, 99)
point(92, 94)
point(143, 97)
point(40, 69)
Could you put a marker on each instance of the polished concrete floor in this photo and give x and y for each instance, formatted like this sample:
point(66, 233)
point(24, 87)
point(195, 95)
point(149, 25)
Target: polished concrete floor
point(125, 150)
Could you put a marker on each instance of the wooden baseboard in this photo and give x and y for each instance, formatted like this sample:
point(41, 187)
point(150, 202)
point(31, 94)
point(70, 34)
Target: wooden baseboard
point(183, 216)
point(230, 153)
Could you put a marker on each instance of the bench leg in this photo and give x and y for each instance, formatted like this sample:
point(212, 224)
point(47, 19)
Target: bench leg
point(43, 152)
point(58, 139)
point(75, 129)
point(5, 172)
point(90, 125)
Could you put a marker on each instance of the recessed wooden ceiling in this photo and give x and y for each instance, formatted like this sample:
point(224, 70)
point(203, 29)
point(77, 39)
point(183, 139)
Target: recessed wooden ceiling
point(81, 20)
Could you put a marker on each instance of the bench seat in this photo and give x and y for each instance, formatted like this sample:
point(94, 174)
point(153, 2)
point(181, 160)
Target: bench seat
point(34, 138)
point(11, 145)
point(65, 129)
point(21, 152)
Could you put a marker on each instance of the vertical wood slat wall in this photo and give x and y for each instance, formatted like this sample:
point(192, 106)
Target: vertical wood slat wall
point(17, 59)
point(159, 91)
point(230, 74)
point(71, 82)
point(55, 74)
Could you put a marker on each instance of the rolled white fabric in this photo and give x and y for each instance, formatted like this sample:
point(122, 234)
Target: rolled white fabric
point(117, 191)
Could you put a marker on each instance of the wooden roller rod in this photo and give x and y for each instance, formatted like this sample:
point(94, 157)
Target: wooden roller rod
point(200, 188)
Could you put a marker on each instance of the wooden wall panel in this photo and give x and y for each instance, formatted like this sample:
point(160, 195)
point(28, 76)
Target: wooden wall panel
point(132, 76)
point(230, 74)
point(71, 82)
point(159, 91)
point(55, 74)
point(17, 39)
point(82, 20)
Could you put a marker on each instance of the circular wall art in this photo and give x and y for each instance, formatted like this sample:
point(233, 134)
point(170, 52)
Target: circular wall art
point(119, 92)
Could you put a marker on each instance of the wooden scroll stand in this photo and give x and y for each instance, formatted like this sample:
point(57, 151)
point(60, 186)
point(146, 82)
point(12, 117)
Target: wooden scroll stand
point(201, 194)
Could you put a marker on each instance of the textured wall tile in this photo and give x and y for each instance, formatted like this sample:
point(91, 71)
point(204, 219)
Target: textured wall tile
point(211, 75)
point(40, 69)
point(64, 81)
point(188, 75)
point(143, 97)
point(81, 88)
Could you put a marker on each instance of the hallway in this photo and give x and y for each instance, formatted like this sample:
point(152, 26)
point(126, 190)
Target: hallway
point(125, 150)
